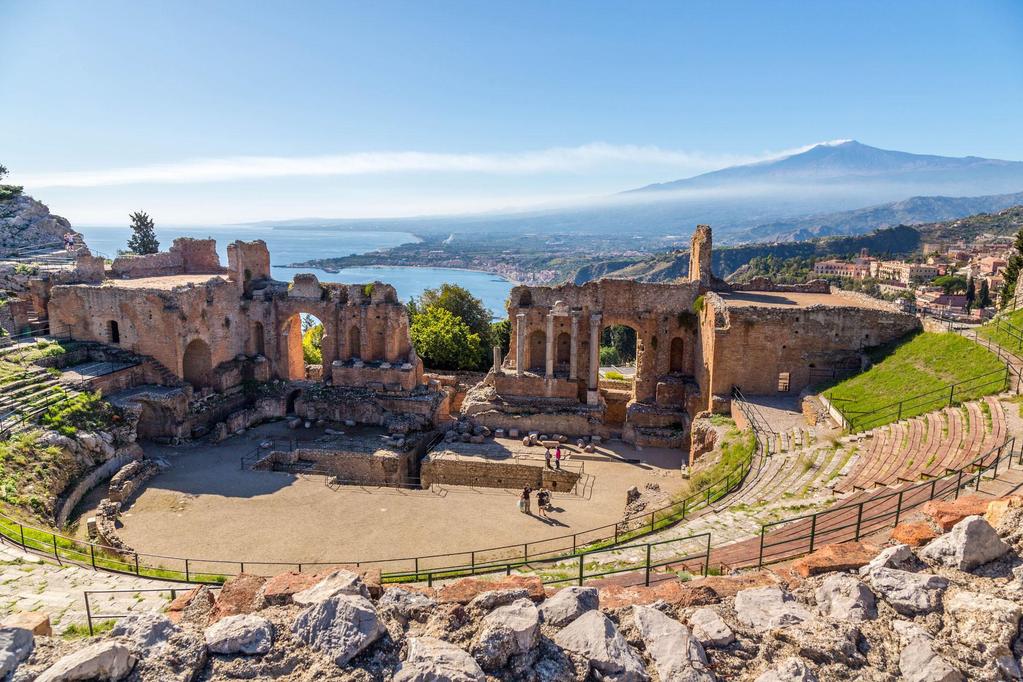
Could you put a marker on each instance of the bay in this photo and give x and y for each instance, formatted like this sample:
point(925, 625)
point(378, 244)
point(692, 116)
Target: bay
point(298, 244)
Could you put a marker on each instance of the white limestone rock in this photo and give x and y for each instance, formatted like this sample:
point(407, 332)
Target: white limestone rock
point(765, 608)
point(341, 627)
point(166, 652)
point(567, 604)
point(484, 602)
point(593, 637)
point(433, 660)
point(406, 604)
point(986, 623)
point(896, 556)
point(507, 631)
point(843, 596)
point(675, 652)
point(710, 628)
point(918, 662)
point(108, 660)
point(909, 593)
point(15, 646)
point(334, 584)
point(790, 670)
point(145, 630)
point(971, 543)
point(244, 633)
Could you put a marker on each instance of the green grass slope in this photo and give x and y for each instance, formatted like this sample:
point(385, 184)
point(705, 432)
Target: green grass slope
point(914, 376)
point(1007, 332)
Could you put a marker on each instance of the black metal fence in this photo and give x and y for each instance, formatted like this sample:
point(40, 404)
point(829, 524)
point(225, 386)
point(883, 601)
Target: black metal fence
point(799, 535)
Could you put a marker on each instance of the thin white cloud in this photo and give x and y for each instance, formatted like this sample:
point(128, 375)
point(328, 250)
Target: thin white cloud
point(552, 160)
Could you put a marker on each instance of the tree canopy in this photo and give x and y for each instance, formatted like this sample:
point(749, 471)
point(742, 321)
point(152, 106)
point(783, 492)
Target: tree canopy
point(1011, 272)
point(143, 239)
point(445, 341)
point(470, 311)
point(312, 344)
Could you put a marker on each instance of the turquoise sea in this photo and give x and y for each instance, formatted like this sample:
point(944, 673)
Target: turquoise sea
point(293, 245)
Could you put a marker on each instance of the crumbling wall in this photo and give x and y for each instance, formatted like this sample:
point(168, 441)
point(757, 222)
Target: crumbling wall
point(436, 468)
point(382, 467)
point(185, 256)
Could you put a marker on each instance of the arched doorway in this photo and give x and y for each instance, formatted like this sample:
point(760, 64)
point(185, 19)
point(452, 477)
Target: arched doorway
point(677, 356)
point(258, 336)
point(619, 350)
point(537, 356)
point(355, 343)
point(114, 331)
point(563, 349)
point(290, 405)
point(302, 340)
point(197, 364)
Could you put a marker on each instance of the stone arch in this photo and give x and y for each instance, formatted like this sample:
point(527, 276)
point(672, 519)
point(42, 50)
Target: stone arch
point(676, 357)
point(293, 360)
point(355, 342)
point(563, 349)
point(114, 332)
point(536, 359)
point(197, 363)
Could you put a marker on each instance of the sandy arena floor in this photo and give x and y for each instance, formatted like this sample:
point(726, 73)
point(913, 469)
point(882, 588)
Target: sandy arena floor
point(206, 507)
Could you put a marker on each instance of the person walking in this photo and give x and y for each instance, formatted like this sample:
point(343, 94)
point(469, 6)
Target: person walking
point(547, 458)
point(557, 457)
point(525, 499)
point(543, 500)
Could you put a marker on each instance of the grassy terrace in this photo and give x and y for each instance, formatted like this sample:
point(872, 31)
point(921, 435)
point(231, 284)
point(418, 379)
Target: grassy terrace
point(1007, 332)
point(914, 376)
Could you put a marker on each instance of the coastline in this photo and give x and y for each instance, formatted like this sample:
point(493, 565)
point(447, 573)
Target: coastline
point(295, 266)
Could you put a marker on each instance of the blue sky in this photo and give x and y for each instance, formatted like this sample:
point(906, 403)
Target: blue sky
point(379, 108)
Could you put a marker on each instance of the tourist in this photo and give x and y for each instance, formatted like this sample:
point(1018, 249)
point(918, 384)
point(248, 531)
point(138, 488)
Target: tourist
point(557, 457)
point(69, 241)
point(547, 458)
point(543, 500)
point(524, 501)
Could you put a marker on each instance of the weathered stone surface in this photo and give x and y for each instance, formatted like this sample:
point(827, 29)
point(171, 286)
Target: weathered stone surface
point(240, 594)
point(36, 622)
point(567, 604)
point(15, 646)
point(983, 621)
point(507, 631)
point(998, 510)
point(465, 590)
point(280, 589)
point(333, 584)
point(675, 652)
point(908, 593)
point(918, 662)
point(971, 543)
point(145, 630)
point(195, 606)
point(947, 513)
point(710, 628)
point(790, 670)
point(843, 596)
point(165, 652)
point(240, 634)
point(433, 660)
point(673, 592)
point(488, 601)
point(109, 660)
point(341, 627)
point(764, 608)
point(593, 637)
point(838, 557)
point(406, 604)
point(913, 533)
point(897, 556)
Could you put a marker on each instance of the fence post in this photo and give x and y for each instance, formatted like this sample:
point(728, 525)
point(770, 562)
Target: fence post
point(760, 558)
point(92, 555)
point(581, 570)
point(900, 412)
point(813, 531)
point(136, 563)
point(859, 520)
point(472, 561)
point(898, 508)
point(417, 568)
point(959, 482)
point(188, 579)
point(525, 551)
point(647, 580)
point(706, 558)
point(684, 500)
point(21, 527)
point(55, 555)
point(88, 613)
point(951, 393)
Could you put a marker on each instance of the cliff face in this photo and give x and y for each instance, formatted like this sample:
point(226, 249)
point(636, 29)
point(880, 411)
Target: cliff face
point(25, 222)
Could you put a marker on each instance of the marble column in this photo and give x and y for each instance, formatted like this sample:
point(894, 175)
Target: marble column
point(594, 352)
point(497, 359)
point(520, 344)
point(550, 345)
point(573, 357)
point(363, 336)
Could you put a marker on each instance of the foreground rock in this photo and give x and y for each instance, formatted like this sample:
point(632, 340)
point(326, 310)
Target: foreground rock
point(789, 670)
point(108, 660)
point(341, 627)
point(567, 604)
point(908, 593)
point(506, 632)
point(595, 639)
point(165, 651)
point(677, 655)
point(843, 596)
point(918, 662)
point(241, 634)
point(15, 646)
point(433, 660)
point(334, 584)
point(710, 628)
point(971, 543)
point(764, 608)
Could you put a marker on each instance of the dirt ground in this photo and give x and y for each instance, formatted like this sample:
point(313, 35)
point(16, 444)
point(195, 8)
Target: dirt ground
point(206, 507)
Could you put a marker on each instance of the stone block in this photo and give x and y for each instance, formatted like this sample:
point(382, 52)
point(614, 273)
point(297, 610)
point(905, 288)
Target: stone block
point(947, 513)
point(838, 557)
point(35, 622)
point(913, 534)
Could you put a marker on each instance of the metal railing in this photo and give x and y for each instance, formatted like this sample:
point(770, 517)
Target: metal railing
point(792, 537)
point(1001, 325)
point(946, 396)
point(92, 616)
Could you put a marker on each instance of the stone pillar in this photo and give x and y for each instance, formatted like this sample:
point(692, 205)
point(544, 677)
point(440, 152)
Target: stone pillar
point(520, 344)
point(497, 359)
point(550, 345)
point(573, 351)
point(363, 335)
point(591, 385)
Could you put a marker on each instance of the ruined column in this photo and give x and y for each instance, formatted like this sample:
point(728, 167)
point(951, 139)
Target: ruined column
point(550, 345)
point(520, 343)
point(497, 359)
point(594, 358)
point(363, 335)
point(573, 357)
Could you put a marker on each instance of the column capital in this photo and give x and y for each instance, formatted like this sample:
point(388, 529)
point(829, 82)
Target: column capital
point(595, 319)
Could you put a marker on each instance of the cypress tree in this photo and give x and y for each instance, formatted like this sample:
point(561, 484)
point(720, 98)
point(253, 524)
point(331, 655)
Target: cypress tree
point(143, 238)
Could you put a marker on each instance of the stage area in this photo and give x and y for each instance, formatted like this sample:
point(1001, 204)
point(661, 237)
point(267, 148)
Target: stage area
point(206, 507)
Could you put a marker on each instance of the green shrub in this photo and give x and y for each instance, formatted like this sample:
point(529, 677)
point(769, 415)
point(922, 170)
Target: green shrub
point(85, 411)
point(615, 376)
